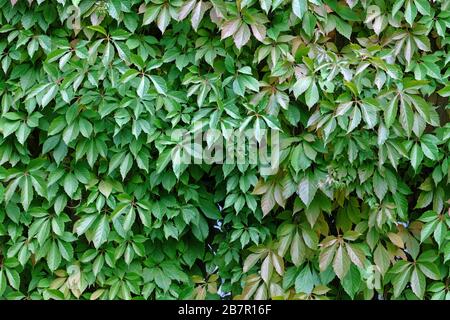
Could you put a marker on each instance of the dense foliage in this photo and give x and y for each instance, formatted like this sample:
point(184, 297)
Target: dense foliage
point(94, 207)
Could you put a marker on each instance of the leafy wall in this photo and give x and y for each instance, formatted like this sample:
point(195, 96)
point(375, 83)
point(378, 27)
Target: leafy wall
point(94, 207)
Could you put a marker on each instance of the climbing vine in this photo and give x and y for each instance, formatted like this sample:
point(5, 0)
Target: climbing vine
point(95, 204)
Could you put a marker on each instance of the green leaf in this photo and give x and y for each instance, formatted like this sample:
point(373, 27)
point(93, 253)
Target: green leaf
point(381, 259)
point(301, 85)
point(2, 282)
point(250, 261)
point(159, 83)
point(142, 87)
point(299, 7)
point(423, 6)
point(297, 250)
point(266, 269)
point(209, 209)
point(380, 186)
point(343, 28)
point(410, 11)
point(305, 281)
point(163, 160)
point(27, 192)
point(369, 114)
point(201, 230)
point(163, 19)
point(307, 189)
point(150, 14)
point(308, 23)
point(445, 91)
point(430, 270)
point(341, 262)
point(440, 233)
point(126, 165)
point(429, 147)
point(129, 75)
point(422, 107)
point(53, 256)
point(57, 125)
point(427, 230)
point(105, 188)
point(101, 231)
point(418, 282)
point(356, 255)
point(390, 113)
point(98, 28)
point(406, 118)
point(352, 282)
point(70, 184)
point(49, 95)
point(312, 95)
point(242, 36)
point(400, 281)
point(161, 279)
point(22, 133)
point(416, 156)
